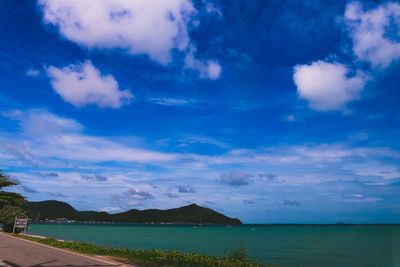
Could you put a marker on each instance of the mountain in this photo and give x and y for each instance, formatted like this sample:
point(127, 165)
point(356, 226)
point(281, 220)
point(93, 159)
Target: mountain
point(191, 214)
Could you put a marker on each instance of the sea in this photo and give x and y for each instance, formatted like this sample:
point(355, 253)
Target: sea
point(280, 245)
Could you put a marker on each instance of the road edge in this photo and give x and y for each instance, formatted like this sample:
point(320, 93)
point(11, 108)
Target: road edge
point(69, 251)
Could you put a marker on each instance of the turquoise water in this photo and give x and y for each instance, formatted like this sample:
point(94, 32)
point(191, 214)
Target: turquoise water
point(298, 246)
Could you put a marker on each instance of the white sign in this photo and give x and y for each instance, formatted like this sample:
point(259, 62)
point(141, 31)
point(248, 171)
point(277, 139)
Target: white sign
point(20, 223)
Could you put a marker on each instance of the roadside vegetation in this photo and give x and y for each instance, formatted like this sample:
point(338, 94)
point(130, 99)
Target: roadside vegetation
point(154, 258)
point(11, 204)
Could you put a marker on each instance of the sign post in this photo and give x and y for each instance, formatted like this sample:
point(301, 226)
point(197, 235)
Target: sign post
point(20, 223)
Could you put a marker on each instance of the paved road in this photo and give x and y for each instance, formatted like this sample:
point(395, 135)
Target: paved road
point(15, 252)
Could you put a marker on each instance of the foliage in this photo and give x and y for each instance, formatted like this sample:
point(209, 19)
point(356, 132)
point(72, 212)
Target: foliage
point(7, 216)
point(5, 181)
point(11, 204)
point(154, 258)
point(9, 198)
point(239, 254)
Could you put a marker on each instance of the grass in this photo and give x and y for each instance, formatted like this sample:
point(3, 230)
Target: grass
point(153, 258)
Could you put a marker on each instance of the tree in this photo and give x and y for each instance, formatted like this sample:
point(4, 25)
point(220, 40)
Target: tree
point(5, 180)
point(11, 204)
point(9, 198)
point(8, 215)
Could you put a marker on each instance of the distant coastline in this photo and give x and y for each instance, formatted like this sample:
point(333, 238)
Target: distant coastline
point(61, 212)
point(52, 211)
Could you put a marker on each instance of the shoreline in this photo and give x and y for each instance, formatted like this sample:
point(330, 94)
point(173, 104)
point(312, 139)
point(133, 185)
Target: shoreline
point(35, 236)
point(212, 224)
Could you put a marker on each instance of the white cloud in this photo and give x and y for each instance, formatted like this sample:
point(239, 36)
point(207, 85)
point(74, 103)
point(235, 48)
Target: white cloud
point(37, 122)
point(327, 86)
point(45, 136)
point(355, 198)
point(111, 209)
point(375, 34)
point(167, 101)
point(213, 70)
point(148, 27)
point(290, 118)
point(198, 139)
point(372, 41)
point(83, 84)
point(302, 155)
point(33, 73)
point(210, 69)
point(141, 27)
point(12, 114)
point(48, 140)
point(79, 147)
point(60, 145)
point(235, 178)
point(212, 9)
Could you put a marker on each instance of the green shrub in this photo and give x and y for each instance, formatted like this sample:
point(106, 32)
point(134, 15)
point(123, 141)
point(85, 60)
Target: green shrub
point(238, 254)
point(7, 216)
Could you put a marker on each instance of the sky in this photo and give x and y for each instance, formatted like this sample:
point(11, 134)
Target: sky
point(268, 111)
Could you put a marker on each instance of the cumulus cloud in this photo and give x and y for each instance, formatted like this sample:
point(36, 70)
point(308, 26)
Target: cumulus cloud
point(210, 69)
point(143, 27)
point(83, 84)
point(327, 86)
point(375, 32)
point(186, 189)
point(131, 197)
point(235, 178)
point(139, 195)
point(375, 39)
point(151, 28)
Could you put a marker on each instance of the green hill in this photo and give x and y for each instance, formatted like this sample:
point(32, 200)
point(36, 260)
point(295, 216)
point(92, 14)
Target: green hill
point(191, 214)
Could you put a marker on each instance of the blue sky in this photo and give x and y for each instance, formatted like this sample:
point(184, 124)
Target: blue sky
point(269, 111)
